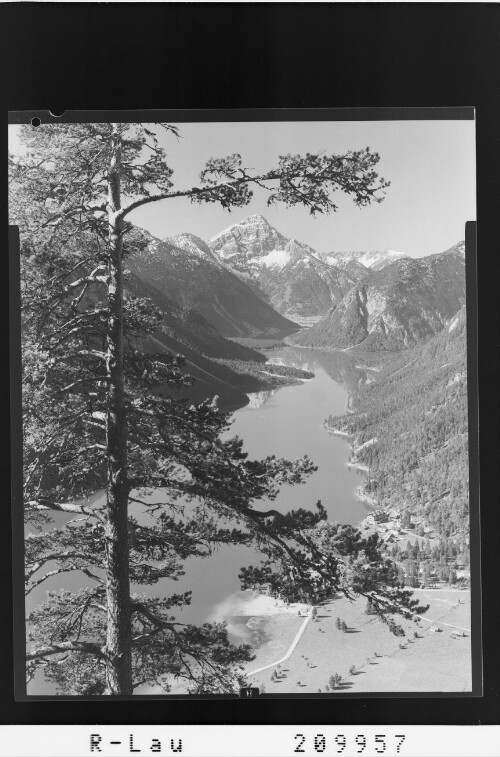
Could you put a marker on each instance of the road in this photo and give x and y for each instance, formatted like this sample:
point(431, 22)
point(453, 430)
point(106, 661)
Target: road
point(290, 649)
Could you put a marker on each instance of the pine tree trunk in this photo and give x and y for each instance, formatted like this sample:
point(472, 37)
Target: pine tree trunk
point(119, 635)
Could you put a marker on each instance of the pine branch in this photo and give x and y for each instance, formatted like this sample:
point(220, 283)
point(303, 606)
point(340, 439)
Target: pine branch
point(260, 514)
point(69, 569)
point(33, 568)
point(86, 647)
point(42, 503)
point(160, 623)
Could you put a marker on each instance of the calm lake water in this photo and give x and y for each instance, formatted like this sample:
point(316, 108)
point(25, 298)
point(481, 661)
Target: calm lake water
point(286, 422)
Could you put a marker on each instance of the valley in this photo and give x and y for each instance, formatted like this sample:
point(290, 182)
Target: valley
point(390, 328)
point(393, 332)
point(355, 359)
point(244, 443)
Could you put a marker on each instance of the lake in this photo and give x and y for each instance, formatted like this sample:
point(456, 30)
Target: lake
point(286, 422)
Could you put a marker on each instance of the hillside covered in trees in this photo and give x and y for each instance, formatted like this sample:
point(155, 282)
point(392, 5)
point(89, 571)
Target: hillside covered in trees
point(409, 428)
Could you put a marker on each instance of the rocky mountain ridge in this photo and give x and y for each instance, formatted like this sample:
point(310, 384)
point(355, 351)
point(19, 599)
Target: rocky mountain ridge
point(288, 273)
point(251, 280)
point(399, 306)
point(373, 260)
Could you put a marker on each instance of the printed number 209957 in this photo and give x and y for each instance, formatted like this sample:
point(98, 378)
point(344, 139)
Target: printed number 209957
point(340, 743)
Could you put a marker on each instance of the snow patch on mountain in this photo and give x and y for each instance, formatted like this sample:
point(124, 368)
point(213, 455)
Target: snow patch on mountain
point(275, 259)
point(376, 257)
point(373, 259)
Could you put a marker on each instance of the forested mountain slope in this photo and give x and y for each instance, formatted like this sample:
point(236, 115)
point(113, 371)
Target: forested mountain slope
point(410, 429)
point(193, 278)
point(188, 327)
point(399, 306)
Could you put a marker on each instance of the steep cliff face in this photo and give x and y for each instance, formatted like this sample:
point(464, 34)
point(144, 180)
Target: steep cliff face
point(288, 273)
point(399, 306)
point(186, 271)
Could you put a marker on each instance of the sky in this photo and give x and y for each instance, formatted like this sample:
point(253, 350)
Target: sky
point(430, 164)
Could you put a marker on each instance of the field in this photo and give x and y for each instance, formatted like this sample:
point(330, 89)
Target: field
point(434, 661)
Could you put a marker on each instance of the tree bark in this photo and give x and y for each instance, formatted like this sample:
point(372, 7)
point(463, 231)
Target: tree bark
point(119, 632)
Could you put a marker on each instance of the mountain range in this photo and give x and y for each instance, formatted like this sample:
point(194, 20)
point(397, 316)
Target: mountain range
point(401, 318)
point(185, 270)
point(398, 306)
point(252, 281)
point(289, 274)
point(374, 259)
point(186, 328)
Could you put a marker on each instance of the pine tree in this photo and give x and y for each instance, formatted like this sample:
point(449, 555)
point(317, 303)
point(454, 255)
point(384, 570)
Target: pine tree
point(370, 609)
point(99, 414)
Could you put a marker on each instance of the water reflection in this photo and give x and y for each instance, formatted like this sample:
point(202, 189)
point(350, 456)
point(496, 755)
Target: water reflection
point(257, 399)
point(343, 367)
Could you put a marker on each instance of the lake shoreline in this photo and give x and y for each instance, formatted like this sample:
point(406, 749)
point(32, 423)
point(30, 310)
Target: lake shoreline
point(287, 421)
point(264, 622)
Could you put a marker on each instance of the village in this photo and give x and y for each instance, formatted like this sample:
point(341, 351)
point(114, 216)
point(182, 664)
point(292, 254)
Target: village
point(392, 528)
point(401, 528)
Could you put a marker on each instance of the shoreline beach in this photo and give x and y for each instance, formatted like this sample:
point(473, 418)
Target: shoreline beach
point(267, 624)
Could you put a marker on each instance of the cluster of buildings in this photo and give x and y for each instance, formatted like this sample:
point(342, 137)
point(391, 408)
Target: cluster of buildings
point(387, 523)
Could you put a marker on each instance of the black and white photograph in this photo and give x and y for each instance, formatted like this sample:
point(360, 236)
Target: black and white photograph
point(245, 406)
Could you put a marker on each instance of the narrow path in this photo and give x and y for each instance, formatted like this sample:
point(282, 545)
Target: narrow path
point(290, 650)
point(456, 591)
point(441, 622)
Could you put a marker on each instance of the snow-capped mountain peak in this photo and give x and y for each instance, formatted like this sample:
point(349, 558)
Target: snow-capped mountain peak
point(255, 222)
point(284, 271)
